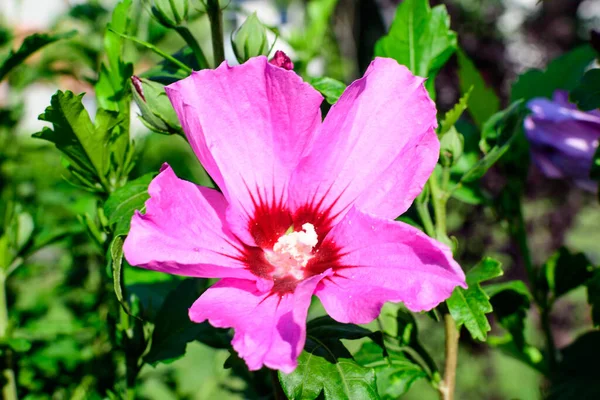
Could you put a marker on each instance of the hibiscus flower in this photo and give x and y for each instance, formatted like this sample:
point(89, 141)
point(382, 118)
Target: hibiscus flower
point(306, 206)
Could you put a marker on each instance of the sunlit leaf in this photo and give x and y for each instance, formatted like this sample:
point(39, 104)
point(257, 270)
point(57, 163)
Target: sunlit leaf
point(469, 306)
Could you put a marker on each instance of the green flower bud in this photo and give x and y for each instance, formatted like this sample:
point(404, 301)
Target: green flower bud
point(170, 13)
point(157, 113)
point(250, 40)
point(451, 147)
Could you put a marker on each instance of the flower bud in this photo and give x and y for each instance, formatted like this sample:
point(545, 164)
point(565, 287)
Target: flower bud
point(281, 59)
point(250, 40)
point(563, 139)
point(157, 113)
point(451, 147)
point(170, 13)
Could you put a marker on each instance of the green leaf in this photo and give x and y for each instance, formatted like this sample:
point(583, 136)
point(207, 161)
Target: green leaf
point(587, 94)
point(564, 73)
point(30, 45)
point(173, 328)
point(395, 373)
point(469, 306)
point(116, 259)
point(123, 202)
point(452, 144)
point(84, 144)
point(483, 101)
point(577, 372)
point(565, 271)
point(325, 366)
point(593, 295)
point(498, 133)
point(420, 38)
point(331, 88)
point(454, 114)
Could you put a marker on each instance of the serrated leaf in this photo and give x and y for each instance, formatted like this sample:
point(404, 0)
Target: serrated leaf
point(469, 306)
point(454, 114)
point(325, 366)
point(564, 73)
point(593, 296)
point(395, 373)
point(331, 88)
point(173, 328)
point(30, 45)
point(587, 94)
point(116, 259)
point(483, 101)
point(420, 38)
point(123, 202)
point(565, 271)
point(84, 144)
point(498, 133)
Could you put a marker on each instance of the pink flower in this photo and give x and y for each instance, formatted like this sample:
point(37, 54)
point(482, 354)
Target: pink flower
point(307, 206)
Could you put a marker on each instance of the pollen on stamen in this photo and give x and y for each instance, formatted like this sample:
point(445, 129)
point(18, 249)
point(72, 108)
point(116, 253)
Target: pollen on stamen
point(292, 252)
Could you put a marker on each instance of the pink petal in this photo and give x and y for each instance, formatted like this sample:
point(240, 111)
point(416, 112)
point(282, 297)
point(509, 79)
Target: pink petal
point(184, 232)
point(249, 125)
point(376, 147)
point(270, 330)
point(385, 261)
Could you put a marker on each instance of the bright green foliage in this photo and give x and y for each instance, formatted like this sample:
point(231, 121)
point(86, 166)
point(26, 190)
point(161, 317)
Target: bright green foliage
point(250, 40)
point(30, 45)
point(16, 230)
point(565, 271)
point(470, 306)
point(587, 94)
point(562, 73)
point(394, 372)
point(173, 329)
point(483, 101)
point(420, 38)
point(401, 361)
point(86, 146)
point(452, 116)
point(170, 13)
point(452, 144)
point(331, 88)
point(325, 366)
point(123, 202)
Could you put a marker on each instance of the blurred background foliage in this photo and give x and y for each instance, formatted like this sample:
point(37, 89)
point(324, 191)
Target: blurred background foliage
point(60, 296)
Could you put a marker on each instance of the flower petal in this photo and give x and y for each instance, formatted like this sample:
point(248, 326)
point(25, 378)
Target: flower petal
point(376, 147)
point(249, 125)
point(385, 261)
point(184, 232)
point(270, 330)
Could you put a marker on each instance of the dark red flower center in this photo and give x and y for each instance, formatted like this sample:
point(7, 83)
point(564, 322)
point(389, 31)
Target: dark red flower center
point(290, 245)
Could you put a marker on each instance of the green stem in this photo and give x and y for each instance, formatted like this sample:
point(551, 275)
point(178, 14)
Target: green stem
point(185, 33)
point(422, 206)
point(438, 200)
point(9, 389)
point(550, 346)
point(447, 386)
point(215, 16)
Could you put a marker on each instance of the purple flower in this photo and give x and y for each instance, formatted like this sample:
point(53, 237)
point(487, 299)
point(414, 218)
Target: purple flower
point(563, 139)
point(306, 208)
